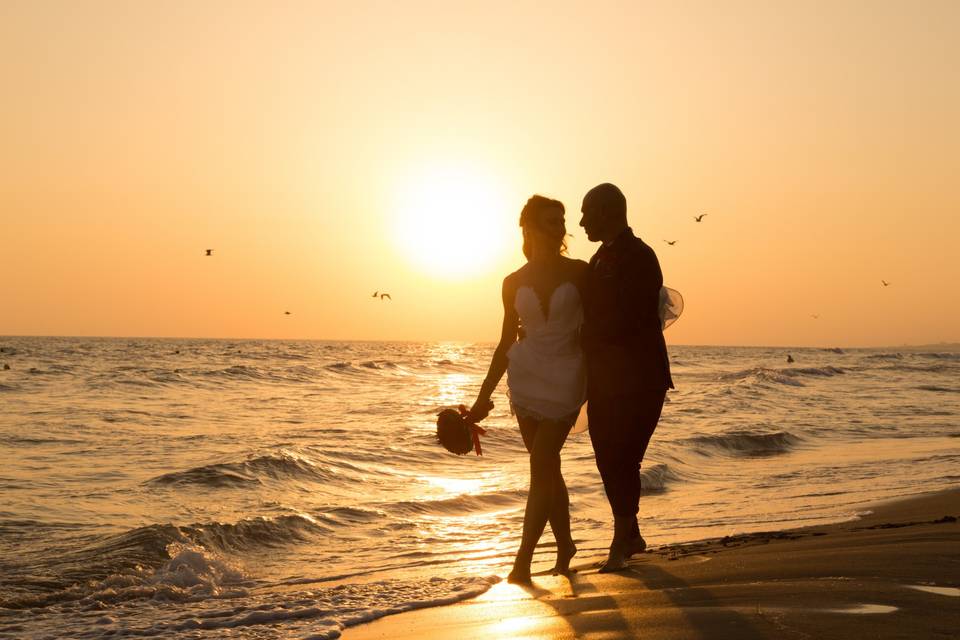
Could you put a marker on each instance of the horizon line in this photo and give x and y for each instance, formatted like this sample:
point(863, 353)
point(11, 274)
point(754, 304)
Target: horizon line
point(955, 344)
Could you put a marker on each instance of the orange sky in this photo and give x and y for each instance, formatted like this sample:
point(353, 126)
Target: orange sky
point(305, 142)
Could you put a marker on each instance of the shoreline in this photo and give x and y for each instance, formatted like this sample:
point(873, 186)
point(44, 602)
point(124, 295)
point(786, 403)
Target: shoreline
point(892, 573)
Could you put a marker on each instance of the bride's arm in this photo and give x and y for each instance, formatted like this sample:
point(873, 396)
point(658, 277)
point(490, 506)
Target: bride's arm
point(498, 364)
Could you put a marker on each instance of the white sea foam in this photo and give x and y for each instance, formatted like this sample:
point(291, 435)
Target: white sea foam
point(318, 613)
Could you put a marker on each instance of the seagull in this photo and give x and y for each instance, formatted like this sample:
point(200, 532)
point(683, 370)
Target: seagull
point(885, 283)
point(814, 316)
point(375, 294)
point(209, 252)
point(671, 242)
point(699, 217)
point(286, 313)
point(385, 295)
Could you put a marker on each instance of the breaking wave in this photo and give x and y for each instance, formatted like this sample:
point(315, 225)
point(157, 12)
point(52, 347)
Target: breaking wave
point(826, 371)
point(164, 561)
point(148, 544)
point(935, 367)
point(460, 505)
point(787, 376)
point(656, 477)
point(940, 356)
point(281, 466)
point(745, 443)
point(188, 574)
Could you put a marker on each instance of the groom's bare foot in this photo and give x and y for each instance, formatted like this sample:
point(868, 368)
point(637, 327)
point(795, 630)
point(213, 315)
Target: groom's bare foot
point(620, 552)
point(616, 559)
point(565, 553)
point(637, 545)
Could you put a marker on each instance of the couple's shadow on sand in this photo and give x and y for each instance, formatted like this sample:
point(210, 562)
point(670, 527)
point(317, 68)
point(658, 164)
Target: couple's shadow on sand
point(615, 605)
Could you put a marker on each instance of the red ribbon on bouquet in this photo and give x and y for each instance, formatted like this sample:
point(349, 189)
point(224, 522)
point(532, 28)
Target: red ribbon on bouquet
point(475, 430)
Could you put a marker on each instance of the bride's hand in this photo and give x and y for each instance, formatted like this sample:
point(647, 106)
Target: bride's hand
point(479, 410)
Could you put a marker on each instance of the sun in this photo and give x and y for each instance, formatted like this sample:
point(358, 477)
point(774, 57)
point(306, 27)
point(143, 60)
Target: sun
point(452, 221)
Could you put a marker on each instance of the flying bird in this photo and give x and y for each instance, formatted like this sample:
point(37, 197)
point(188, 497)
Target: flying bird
point(699, 217)
point(385, 296)
point(671, 242)
point(375, 294)
point(814, 316)
point(286, 313)
point(209, 252)
point(885, 283)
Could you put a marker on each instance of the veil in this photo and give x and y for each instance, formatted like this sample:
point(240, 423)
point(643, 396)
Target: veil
point(671, 306)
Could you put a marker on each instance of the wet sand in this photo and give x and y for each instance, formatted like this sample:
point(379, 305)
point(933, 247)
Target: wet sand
point(856, 579)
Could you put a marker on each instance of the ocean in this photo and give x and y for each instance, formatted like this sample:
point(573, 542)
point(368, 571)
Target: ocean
point(292, 489)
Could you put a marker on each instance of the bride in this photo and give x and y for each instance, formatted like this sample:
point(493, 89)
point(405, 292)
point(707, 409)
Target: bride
point(540, 351)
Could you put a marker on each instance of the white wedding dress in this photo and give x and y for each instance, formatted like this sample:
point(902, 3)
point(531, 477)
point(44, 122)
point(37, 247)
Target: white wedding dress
point(546, 376)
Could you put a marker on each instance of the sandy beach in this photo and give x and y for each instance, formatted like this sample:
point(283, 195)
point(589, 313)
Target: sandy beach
point(894, 573)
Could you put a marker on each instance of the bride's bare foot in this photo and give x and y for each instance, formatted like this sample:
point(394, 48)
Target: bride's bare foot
point(519, 576)
point(565, 553)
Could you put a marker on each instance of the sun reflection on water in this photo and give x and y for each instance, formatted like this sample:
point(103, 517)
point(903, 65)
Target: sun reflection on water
point(451, 388)
point(455, 486)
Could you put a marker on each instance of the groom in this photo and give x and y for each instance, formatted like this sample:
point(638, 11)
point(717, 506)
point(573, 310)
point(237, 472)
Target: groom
point(628, 371)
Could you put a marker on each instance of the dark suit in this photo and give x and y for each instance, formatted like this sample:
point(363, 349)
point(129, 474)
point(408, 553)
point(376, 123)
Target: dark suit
point(628, 370)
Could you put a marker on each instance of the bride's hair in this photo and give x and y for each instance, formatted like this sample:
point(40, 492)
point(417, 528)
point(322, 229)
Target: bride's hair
point(531, 217)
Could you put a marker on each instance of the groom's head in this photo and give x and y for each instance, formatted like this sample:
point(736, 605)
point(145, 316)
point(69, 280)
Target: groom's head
point(604, 213)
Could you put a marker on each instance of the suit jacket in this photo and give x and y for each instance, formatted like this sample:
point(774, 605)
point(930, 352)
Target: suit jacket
point(622, 337)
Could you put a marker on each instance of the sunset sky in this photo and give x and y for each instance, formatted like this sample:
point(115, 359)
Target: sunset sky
point(327, 150)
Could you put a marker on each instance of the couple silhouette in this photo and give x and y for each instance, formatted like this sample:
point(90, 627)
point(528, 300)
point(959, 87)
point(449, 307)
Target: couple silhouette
point(576, 332)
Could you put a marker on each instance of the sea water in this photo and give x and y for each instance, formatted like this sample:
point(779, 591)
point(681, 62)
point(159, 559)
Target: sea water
point(262, 489)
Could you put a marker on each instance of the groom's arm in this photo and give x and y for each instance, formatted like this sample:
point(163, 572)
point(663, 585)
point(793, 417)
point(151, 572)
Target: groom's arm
point(641, 281)
point(645, 344)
